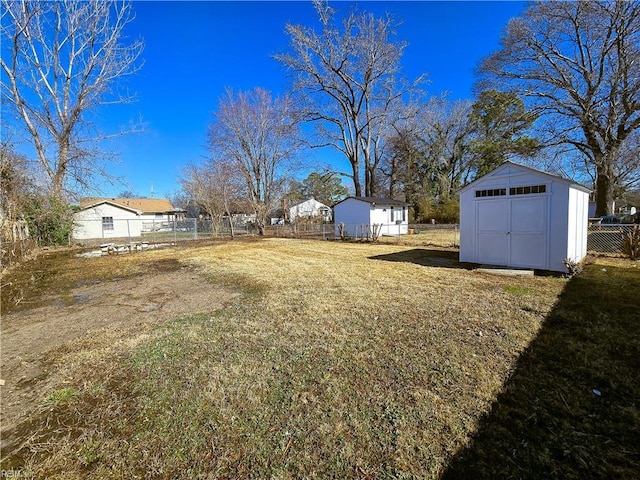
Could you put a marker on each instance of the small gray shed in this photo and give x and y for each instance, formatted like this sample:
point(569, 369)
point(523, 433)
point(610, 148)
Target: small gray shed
point(516, 216)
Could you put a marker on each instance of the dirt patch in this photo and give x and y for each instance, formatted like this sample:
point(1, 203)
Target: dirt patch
point(35, 340)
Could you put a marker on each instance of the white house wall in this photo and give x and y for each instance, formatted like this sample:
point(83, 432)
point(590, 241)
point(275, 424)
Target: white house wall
point(353, 213)
point(382, 214)
point(310, 208)
point(88, 223)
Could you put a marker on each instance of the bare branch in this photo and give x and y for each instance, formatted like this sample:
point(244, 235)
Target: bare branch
point(66, 57)
point(579, 63)
point(348, 78)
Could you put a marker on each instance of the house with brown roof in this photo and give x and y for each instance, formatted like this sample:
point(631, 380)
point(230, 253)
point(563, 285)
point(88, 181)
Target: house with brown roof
point(105, 218)
point(151, 208)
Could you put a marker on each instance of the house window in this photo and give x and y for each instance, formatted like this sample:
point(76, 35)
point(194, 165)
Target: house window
point(404, 214)
point(492, 192)
point(392, 216)
point(527, 190)
point(107, 223)
point(159, 216)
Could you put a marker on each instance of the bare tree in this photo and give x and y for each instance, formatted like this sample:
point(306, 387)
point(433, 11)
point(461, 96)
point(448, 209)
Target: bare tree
point(348, 75)
point(578, 62)
point(429, 154)
point(627, 166)
point(61, 61)
point(215, 187)
point(259, 136)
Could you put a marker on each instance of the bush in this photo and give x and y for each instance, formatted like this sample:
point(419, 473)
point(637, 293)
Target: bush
point(50, 220)
point(631, 243)
point(447, 211)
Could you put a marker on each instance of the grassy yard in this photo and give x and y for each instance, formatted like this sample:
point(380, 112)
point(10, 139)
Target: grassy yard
point(354, 360)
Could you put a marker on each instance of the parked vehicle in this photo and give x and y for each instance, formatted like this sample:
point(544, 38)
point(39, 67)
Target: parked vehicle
point(609, 220)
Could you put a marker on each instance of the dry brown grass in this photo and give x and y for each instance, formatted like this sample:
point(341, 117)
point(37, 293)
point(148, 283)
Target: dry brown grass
point(333, 363)
point(446, 237)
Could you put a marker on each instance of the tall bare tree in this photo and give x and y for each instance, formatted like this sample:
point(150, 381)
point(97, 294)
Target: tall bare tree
point(259, 135)
point(348, 75)
point(60, 62)
point(578, 62)
point(430, 155)
point(215, 187)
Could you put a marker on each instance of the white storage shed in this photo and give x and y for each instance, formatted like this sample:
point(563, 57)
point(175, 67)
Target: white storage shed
point(360, 214)
point(516, 216)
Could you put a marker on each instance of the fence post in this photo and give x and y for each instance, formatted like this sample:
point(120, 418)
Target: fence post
point(175, 231)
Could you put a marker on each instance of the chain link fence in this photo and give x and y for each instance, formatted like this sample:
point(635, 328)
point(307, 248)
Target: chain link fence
point(445, 235)
point(600, 238)
point(120, 231)
point(133, 231)
point(607, 238)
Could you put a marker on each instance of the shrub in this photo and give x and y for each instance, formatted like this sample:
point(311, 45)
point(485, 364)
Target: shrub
point(444, 211)
point(631, 243)
point(573, 268)
point(50, 220)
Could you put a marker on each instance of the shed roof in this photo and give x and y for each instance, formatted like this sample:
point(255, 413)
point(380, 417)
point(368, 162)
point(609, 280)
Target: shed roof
point(377, 201)
point(145, 205)
point(517, 166)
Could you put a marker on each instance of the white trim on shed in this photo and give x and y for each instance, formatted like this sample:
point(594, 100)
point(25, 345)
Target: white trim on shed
point(520, 217)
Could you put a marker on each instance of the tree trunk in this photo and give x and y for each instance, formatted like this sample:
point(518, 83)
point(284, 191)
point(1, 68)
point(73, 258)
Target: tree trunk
point(60, 173)
point(604, 188)
point(370, 182)
point(355, 165)
point(233, 233)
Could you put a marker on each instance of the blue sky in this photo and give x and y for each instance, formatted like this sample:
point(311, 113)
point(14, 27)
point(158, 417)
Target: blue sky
point(194, 50)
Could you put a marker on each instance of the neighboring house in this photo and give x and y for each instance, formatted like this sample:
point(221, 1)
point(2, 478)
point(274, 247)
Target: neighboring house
point(154, 211)
point(122, 217)
point(516, 216)
point(105, 220)
point(359, 215)
point(627, 210)
point(310, 208)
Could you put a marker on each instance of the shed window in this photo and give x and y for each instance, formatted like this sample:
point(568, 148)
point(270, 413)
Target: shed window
point(529, 189)
point(107, 223)
point(492, 192)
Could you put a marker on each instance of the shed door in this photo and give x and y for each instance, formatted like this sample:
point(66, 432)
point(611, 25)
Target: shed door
point(512, 232)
